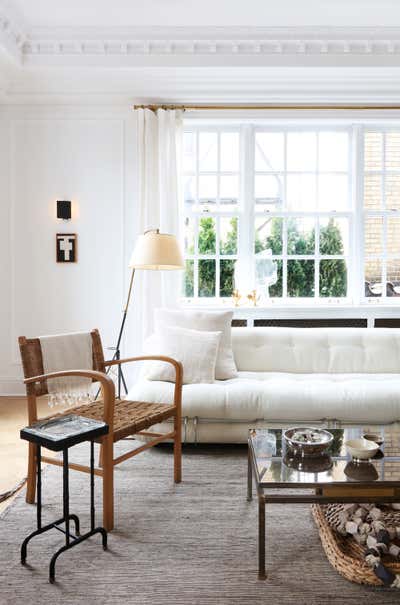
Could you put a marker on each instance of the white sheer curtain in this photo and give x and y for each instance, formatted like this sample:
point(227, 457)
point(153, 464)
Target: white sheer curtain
point(159, 137)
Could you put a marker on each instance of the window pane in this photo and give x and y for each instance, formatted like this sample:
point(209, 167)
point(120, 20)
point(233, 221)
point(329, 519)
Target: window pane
point(188, 279)
point(373, 235)
point(333, 151)
point(300, 278)
point(301, 151)
point(229, 191)
point(333, 192)
point(189, 152)
point(373, 191)
point(276, 289)
point(332, 278)
point(392, 151)
point(393, 235)
point(333, 236)
point(393, 278)
point(226, 277)
point(207, 189)
point(268, 235)
point(189, 241)
point(206, 278)
point(392, 191)
point(229, 151)
point(301, 236)
point(269, 156)
point(268, 191)
point(228, 233)
point(189, 190)
point(301, 192)
point(373, 278)
point(207, 237)
point(373, 146)
point(208, 146)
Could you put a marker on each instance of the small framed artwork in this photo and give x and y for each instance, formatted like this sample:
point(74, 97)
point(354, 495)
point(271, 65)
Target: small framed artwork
point(66, 247)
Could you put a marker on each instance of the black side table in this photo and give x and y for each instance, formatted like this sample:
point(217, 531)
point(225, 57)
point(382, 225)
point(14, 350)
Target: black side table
point(59, 434)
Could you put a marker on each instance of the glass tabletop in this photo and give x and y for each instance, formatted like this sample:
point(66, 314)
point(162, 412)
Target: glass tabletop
point(277, 466)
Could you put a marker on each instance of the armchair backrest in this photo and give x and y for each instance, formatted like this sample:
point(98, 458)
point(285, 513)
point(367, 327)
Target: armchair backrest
point(32, 360)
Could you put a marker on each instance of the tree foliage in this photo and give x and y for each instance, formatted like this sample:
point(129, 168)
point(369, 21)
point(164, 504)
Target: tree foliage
point(300, 273)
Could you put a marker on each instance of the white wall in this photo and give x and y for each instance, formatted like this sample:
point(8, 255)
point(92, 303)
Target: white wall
point(85, 155)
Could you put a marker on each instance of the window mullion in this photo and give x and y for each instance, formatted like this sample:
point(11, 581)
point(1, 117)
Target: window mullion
point(356, 270)
point(383, 200)
point(284, 222)
point(316, 227)
point(246, 220)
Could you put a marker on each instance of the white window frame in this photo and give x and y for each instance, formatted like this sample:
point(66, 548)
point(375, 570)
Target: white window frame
point(246, 212)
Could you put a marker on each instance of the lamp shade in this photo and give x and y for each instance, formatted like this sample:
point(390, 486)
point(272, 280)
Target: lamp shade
point(156, 251)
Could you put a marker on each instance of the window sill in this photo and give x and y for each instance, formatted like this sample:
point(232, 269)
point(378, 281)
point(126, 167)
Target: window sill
point(303, 309)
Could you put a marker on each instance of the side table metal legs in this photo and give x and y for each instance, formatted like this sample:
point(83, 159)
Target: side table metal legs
point(70, 539)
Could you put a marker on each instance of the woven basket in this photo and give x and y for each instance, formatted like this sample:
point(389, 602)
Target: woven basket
point(343, 552)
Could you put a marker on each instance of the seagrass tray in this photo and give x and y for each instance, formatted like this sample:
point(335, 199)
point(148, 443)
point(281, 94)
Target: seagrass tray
point(343, 552)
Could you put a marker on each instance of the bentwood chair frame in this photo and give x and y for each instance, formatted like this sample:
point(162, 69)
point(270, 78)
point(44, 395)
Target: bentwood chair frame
point(124, 417)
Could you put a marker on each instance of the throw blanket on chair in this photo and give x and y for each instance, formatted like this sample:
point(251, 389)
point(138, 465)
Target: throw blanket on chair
point(67, 352)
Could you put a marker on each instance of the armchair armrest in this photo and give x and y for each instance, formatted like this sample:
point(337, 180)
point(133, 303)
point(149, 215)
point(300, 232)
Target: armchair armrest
point(107, 386)
point(177, 366)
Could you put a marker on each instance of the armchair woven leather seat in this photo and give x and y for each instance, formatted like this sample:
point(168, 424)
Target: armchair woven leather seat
point(130, 417)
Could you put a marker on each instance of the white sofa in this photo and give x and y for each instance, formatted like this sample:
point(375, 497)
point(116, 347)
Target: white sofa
point(288, 376)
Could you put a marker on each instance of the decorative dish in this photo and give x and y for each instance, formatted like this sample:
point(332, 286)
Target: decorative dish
point(308, 441)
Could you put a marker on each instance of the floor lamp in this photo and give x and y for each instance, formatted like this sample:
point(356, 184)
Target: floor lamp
point(153, 251)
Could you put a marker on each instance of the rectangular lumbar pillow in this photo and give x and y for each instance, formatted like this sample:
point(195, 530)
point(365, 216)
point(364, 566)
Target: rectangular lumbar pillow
point(208, 321)
point(196, 350)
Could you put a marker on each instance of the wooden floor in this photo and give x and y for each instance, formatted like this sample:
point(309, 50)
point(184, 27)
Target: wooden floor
point(14, 451)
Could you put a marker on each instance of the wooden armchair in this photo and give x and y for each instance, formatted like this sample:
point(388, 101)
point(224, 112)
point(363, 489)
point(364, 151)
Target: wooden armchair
point(123, 417)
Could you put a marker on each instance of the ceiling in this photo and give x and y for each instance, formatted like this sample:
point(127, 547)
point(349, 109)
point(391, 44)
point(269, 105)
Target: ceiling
point(97, 13)
point(183, 50)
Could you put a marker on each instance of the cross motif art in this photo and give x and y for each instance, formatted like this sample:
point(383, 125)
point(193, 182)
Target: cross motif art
point(66, 247)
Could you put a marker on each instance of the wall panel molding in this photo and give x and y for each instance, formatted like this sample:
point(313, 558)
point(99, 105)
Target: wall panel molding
point(10, 382)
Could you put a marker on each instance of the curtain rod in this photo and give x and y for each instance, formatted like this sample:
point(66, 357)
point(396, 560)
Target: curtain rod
point(269, 107)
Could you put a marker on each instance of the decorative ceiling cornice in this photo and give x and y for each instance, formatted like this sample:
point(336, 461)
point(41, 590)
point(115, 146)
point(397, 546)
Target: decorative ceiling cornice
point(217, 41)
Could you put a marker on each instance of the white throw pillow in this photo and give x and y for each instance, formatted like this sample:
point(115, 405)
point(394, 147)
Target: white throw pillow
point(196, 350)
point(209, 321)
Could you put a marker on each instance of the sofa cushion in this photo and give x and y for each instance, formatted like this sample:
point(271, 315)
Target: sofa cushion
point(289, 397)
point(196, 350)
point(210, 321)
point(320, 350)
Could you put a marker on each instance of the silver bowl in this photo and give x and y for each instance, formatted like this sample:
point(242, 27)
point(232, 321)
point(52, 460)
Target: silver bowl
point(316, 442)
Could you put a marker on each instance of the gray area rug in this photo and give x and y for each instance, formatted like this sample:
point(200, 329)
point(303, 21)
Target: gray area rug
point(194, 543)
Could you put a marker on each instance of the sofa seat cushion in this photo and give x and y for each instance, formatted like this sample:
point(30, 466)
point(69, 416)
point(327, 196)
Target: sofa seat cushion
point(283, 396)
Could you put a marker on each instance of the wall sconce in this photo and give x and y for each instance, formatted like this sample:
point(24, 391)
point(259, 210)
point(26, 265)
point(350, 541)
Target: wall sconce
point(64, 210)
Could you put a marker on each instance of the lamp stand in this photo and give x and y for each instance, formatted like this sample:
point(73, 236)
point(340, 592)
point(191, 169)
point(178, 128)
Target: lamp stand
point(116, 349)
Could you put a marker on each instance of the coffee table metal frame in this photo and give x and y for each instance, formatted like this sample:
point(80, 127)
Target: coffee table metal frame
point(322, 493)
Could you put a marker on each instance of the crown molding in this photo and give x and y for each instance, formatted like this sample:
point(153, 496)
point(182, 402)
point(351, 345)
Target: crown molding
point(196, 46)
point(204, 45)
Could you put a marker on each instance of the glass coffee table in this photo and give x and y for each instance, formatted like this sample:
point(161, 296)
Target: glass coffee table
point(281, 477)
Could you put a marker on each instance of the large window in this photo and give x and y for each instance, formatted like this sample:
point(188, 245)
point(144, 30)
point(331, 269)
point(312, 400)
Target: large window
point(296, 213)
